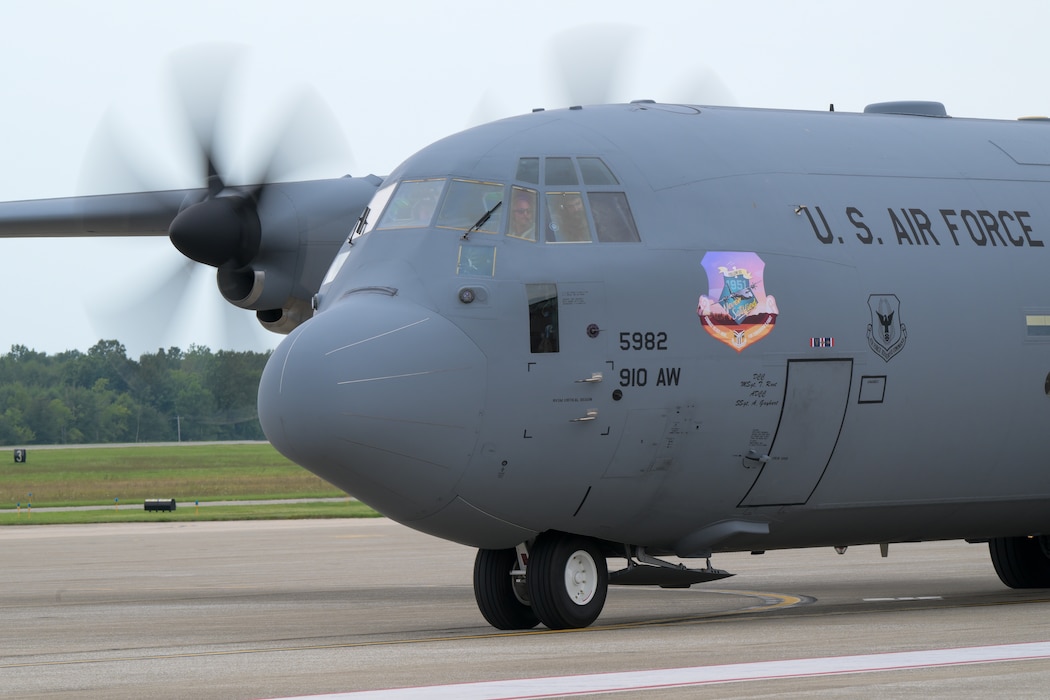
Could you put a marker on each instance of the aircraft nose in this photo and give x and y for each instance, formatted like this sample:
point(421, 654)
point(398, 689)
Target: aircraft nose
point(380, 397)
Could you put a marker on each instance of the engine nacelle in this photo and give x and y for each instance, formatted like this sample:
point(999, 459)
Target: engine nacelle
point(285, 320)
point(273, 244)
point(269, 292)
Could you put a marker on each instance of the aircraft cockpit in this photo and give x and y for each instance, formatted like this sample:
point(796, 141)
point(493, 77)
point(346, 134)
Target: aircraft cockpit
point(576, 200)
point(546, 202)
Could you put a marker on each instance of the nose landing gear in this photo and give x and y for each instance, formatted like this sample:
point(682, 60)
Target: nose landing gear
point(565, 588)
point(501, 591)
point(568, 580)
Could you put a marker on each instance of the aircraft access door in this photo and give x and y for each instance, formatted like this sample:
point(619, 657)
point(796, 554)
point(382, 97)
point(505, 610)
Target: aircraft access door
point(552, 426)
point(815, 397)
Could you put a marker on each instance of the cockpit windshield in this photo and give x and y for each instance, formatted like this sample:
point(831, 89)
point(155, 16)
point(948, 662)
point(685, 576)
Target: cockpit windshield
point(553, 199)
point(413, 204)
point(467, 202)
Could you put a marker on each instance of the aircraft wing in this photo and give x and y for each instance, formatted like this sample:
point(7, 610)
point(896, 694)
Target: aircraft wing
point(271, 244)
point(133, 214)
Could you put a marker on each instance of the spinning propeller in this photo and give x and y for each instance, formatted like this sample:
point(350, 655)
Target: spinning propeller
point(591, 63)
point(220, 224)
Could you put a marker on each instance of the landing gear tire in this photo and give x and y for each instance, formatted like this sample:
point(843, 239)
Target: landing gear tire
point(568, 580)
point(503, 602)
point(1021, 562)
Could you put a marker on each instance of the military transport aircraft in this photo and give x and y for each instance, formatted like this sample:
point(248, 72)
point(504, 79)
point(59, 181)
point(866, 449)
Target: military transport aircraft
point(634, 331)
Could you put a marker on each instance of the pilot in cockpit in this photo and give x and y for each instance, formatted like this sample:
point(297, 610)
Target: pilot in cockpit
point(423, 211)
point(523, 215)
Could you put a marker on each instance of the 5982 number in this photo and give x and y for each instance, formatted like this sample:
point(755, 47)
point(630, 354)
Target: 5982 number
point(643, 341)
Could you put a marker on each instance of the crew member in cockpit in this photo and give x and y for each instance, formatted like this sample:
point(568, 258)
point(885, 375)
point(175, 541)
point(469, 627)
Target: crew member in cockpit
point(571, 220)
point(523, 215)
point(423, 211)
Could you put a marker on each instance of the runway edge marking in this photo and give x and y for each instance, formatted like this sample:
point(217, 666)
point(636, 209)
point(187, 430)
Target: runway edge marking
point(590, 684)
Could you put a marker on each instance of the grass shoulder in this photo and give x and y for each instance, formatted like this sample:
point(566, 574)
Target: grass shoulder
point(189, 513)
point(124, 476)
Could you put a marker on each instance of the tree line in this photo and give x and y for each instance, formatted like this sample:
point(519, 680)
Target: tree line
point(104, 396)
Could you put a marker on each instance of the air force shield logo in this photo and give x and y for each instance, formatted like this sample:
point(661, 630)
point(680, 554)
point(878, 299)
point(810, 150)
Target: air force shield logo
point(736, 309)
point(886, 333)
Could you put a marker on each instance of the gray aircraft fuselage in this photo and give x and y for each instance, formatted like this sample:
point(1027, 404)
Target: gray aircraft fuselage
point(830, 330)
point(628, 331)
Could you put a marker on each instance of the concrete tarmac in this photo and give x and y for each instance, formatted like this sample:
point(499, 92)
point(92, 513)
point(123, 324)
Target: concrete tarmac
point(274, 609)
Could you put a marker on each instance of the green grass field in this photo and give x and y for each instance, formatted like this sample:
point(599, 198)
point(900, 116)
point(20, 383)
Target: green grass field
point(125, 476)
point(187, 512)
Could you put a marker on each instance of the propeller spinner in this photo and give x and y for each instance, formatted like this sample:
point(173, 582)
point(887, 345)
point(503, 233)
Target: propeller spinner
point(218, 230)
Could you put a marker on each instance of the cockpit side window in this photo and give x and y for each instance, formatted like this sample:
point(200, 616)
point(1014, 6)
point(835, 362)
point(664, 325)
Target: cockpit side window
point(413, 204)
point(522, 213)
point(370, 215)
point(543, 317)
point(468, 201)
point(613, 221)
point(567, 218)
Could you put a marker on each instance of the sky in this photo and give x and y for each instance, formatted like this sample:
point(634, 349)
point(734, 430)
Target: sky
point(397, 75)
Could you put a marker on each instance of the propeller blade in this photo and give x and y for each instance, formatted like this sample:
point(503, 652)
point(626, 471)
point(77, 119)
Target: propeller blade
point(589, 61)
point(113, 162)
point(702, 86)
point(305, 141)
point(202, 79)
point(239, 328)
point(145, 302)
